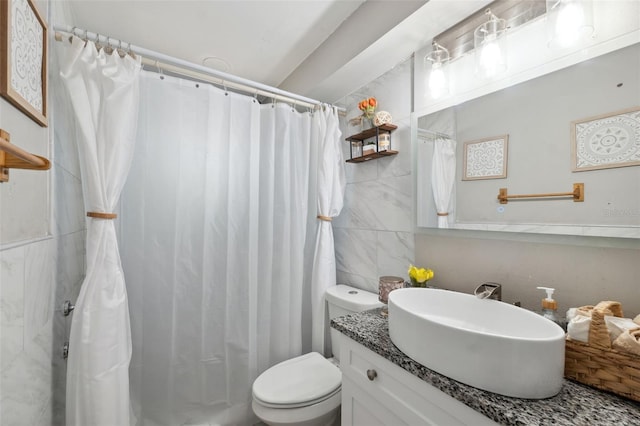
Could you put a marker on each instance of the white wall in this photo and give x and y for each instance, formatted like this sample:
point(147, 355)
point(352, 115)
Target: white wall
point(41, 260)
point(26, 191)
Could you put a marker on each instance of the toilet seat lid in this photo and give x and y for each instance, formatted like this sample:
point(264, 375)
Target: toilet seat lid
point(298, 380)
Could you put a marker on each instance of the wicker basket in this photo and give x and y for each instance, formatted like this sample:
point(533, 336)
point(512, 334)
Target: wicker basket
point(605, 369)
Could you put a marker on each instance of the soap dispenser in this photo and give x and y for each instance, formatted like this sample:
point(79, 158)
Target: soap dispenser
point(550, 307)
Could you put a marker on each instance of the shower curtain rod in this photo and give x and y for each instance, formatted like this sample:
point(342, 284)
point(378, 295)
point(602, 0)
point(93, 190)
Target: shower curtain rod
point(189, 69)
point(430, 133)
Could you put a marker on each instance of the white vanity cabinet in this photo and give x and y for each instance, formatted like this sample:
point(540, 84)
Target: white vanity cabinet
point(377, 392)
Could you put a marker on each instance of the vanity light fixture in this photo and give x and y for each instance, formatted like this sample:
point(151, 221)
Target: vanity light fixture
point(439, 76)
point(490, 43)
point(568, 21)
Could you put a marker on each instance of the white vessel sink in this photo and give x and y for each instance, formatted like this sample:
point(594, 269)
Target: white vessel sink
point(484, 343)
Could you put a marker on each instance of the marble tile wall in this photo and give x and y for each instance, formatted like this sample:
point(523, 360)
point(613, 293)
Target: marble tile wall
point(36, 276)
point(374, 232)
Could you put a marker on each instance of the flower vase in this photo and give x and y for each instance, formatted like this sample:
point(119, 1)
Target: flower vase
point(415, 283)
point(366, 123)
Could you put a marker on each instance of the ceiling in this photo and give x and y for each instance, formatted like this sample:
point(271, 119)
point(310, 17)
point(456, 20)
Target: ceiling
point(324, 49)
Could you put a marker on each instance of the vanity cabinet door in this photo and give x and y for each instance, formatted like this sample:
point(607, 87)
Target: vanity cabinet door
point(377, 392)
point(360, 408)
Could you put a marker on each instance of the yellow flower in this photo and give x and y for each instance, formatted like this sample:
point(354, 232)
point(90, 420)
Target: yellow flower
point(420, 275)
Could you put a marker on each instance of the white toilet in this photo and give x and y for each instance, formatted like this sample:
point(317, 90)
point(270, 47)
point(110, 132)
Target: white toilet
point(306, 390)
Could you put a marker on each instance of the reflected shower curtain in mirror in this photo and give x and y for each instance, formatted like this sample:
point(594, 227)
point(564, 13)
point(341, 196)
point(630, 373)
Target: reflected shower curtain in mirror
point(103, 90)
point(214, 219)
point(443, 176)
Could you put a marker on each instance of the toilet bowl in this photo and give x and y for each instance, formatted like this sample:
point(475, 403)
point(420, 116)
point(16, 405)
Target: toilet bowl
point(306, 390)
point(300, 391)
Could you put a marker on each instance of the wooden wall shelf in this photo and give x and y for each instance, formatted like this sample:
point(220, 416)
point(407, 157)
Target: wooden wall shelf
point(372, 156)
point(373, 132)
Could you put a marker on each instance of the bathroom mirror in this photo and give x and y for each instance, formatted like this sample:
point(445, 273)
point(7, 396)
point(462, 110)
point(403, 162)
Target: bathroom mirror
point(528, 129)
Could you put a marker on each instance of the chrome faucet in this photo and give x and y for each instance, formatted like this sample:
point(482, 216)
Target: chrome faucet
point(489, 291)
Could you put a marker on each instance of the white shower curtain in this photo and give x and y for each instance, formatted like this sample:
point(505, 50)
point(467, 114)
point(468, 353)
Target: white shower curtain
point(103, 90)
point(214, 219)
point(330, 192)
point(443, 177)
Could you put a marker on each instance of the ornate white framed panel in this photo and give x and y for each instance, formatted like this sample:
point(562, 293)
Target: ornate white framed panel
point(606, 141)
point(23, 58)
point(486, 158)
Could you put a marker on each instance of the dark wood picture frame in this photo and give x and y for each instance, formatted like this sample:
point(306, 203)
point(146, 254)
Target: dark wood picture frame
point(33, 69)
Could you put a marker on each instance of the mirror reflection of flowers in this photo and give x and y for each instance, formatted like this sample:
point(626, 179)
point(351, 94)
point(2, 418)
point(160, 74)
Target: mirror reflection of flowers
point(419, 276)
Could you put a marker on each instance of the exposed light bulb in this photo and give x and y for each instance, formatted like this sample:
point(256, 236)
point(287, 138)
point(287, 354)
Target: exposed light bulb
point(490, 56)
point(437, 81)
point(570, 20)
point(438, 77)
point(491, 48)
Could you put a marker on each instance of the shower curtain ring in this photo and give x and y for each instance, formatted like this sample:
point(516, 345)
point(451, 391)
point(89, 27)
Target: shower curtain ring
point(159, 70)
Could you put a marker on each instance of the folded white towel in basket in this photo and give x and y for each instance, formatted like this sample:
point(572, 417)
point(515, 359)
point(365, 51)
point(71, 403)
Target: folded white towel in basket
point(578, 328)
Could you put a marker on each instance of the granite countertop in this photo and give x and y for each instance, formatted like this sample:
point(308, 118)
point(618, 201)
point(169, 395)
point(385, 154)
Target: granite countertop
point(576, 404)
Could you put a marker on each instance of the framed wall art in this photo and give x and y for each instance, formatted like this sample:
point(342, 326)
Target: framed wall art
point(606, 141)
point(23, 58)
point(486, 158)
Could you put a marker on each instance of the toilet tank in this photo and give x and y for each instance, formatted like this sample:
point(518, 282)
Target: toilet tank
point(344, 300)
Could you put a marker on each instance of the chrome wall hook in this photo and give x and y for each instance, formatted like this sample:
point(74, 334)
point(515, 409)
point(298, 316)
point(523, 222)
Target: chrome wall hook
point(67, 307)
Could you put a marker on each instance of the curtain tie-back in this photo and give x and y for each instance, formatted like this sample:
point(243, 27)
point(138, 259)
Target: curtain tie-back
point(325, 218)
point(443, 214)
point(98, 215)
